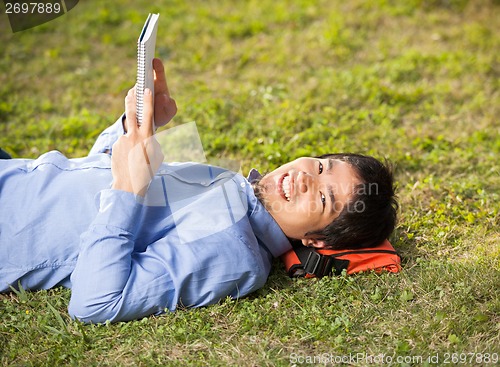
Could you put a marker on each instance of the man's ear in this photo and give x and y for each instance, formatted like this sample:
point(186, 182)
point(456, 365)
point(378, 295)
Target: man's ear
point(312, 242)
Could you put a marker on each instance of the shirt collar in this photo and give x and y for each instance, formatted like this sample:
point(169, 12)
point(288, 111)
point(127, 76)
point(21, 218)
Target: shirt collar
point(253, 176)
point(265, 228)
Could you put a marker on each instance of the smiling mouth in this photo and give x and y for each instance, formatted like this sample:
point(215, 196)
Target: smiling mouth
point(285, 187)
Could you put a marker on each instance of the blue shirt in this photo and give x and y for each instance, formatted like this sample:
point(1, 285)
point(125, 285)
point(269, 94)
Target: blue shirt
point(198, 236)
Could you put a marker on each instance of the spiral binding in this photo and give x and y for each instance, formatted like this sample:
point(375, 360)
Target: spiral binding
point(141, 79)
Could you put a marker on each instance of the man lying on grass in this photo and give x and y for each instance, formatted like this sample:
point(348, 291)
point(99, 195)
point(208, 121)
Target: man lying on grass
point(132, 236)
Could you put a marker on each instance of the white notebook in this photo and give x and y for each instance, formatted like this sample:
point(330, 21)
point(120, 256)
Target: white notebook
point(145, 54)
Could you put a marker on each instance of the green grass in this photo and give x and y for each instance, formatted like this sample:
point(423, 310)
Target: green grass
point(415, 81)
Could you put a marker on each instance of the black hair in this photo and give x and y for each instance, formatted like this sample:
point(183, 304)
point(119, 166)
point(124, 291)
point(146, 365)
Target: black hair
point(369, 216)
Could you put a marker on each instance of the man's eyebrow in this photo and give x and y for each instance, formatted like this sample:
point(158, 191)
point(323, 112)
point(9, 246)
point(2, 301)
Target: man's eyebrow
point(332, 199)
point(331, 161)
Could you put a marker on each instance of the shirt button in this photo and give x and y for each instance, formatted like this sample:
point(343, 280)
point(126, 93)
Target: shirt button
point(242, 184)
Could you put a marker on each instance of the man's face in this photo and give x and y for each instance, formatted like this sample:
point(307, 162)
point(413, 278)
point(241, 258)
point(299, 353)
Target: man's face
point(307, 194)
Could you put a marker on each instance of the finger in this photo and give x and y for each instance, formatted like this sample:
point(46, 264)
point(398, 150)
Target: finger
point(147, 117)
point(130, 111)
point(165, 108)
point(161, 86)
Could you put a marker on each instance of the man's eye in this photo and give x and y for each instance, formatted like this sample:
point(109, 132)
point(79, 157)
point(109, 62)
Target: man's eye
point(320, 168)
point(323, 200)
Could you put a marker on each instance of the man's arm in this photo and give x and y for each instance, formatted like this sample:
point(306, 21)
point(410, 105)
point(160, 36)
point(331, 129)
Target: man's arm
point(165, 109)
point(106, 269)
point(110, 281)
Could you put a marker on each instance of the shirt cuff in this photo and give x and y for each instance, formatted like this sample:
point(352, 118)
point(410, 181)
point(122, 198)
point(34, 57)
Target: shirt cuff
point(119, 209)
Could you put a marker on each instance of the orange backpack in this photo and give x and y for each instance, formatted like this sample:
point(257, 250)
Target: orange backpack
point(312, 262)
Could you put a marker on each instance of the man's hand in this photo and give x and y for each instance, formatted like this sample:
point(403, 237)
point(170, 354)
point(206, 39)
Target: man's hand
point(164, 106)
point(136, 155)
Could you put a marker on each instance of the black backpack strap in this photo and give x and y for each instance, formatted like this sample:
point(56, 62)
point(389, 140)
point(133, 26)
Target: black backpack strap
point(317, 264)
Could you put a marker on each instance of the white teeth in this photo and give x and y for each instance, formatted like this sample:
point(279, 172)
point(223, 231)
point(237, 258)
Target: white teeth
point(286, 187)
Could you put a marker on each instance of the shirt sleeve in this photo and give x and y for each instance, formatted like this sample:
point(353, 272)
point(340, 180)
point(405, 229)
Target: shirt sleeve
point(107, 138)
point(110, 281)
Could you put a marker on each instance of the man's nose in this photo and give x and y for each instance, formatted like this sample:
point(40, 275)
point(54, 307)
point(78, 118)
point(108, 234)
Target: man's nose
point(305, 181)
